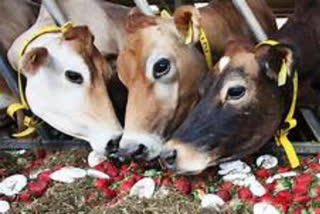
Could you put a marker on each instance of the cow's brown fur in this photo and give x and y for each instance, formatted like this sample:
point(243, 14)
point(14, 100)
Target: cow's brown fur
point(240, 127)
point(221, 23)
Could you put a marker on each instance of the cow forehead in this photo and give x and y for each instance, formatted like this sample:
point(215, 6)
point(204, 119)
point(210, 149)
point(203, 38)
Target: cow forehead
point(244, 60)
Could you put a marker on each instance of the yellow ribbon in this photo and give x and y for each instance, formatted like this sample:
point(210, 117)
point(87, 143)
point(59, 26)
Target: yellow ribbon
point(281, 137)
point(205, 45)
point(30, 122)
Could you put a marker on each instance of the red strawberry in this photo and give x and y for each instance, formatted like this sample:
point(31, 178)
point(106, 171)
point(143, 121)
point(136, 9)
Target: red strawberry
point(302, 199)
point(166, 182)
point(118, 178)
point(126, 185)
point(285, 196)
point(271, 187)
point(265, 198)
point(263, 173)
point(25, 197)
point(226, 186)
point(304, 179)
point(44, 176)
point(281, 206)
point(300, 189)
point(136, 177)
point(297, 211)
point(40, 154)
point(283, 169)
point(124, 169)
point(224, 195)
point(101, 183)
point(183, 186)
point(109, 193)
point(314, 167)
point(316, 211)
point(3, 173)
point(244, 194)
point(37, 188)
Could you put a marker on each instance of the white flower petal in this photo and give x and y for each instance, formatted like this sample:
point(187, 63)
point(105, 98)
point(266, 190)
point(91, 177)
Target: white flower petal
point(143, 188)
point(235, 176)
point(13, 185)
point(4, 206)
point(280, 176)
point(233, 167)
point(95, 158)
point(267, 161)
point(74, 172)
point(212, 201)
point(60, 177)
point(263, 207)
point(97, 174)
point(68, 174)
point(257, 189)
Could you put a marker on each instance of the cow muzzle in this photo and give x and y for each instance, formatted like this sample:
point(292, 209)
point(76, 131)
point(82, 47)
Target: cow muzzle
point(140, 146)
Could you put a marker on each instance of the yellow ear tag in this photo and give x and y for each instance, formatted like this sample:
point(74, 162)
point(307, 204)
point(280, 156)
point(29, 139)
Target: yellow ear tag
point(282, 77)
point(165, 14)
point(189, 36)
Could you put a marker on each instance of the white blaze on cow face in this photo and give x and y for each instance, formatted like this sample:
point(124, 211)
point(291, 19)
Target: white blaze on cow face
point(66, 89)
point(223, 63)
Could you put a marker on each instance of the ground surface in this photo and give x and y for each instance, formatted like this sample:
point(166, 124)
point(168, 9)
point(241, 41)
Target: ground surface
point(182, 194)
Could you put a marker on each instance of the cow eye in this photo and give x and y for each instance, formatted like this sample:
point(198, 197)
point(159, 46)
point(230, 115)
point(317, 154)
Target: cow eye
point(236, 93)
point(161, 68)
point(74, 77)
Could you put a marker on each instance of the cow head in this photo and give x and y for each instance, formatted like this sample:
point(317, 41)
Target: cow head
point(162, 75)
point(66, 87)
point(239, 113)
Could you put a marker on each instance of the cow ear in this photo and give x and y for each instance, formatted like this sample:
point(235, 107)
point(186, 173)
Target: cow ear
point(187, 20)
point(278, 61)
point(32, 60)
point(137, 20)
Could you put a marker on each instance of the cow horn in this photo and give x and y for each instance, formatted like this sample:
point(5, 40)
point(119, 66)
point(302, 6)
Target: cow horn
point(144, 7)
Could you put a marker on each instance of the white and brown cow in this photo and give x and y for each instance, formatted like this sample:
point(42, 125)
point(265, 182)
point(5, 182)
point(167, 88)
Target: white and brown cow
point(244, 106)
point(67, 75)
point(164, 75)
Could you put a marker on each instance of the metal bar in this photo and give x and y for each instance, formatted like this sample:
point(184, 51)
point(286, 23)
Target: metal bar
point(8, 74)
point(251, 20)
point(9, 144)
point(312, 122)
point(55, 11)
point(307, 147)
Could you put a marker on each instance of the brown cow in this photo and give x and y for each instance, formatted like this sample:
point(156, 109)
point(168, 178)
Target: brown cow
point(164, 75)
point(244, 106)
point(66, 74)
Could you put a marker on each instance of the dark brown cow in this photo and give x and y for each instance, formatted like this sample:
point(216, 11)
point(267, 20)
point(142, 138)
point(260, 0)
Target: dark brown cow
point(244, 107)
point(164, 75)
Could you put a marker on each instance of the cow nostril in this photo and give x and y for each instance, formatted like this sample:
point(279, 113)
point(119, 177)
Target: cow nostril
point(113, 145)
point(141, 150)
point(170, 158)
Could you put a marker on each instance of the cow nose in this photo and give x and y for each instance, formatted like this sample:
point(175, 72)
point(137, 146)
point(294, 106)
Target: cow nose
point(169, 158)
point(137, 151)
point(113, 145)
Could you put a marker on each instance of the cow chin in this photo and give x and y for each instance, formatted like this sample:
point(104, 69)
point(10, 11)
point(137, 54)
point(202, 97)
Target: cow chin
point(78, 126)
